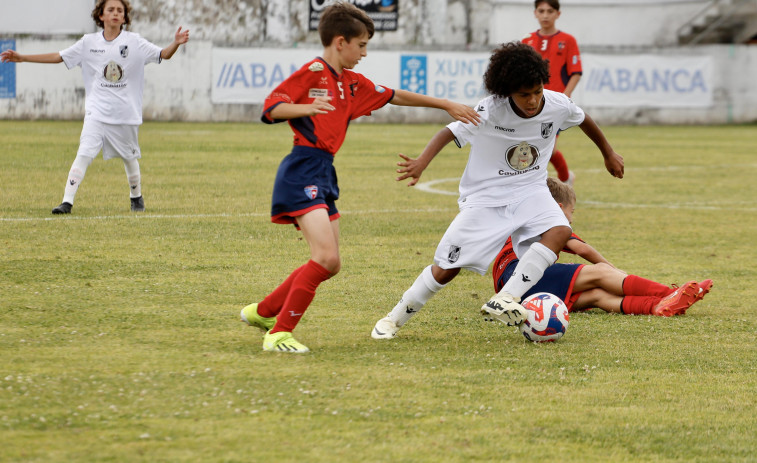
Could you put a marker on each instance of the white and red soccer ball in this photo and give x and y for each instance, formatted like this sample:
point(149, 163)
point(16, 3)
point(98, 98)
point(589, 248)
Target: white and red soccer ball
point(547, 318)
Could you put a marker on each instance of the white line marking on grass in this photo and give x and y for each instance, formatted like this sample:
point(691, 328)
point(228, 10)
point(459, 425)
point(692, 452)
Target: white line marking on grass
point(143, 216)
point(430, 187)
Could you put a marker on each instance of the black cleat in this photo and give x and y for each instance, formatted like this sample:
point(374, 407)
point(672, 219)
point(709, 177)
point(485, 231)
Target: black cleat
point(64, 208)
point(138, 204)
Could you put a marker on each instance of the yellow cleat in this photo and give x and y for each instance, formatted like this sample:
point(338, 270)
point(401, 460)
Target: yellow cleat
point(283, 342)
point(250, 316)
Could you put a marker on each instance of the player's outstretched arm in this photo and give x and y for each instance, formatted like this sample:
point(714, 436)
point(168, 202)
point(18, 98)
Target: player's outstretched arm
point(613, 161)
point(413, 168)
point(181, 37)
point(11, 56)
point(587, 252)
point(459, 111)
point(320, 105)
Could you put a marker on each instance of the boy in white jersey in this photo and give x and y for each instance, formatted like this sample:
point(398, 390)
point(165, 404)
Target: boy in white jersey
point(112, 63)
point(503, 191)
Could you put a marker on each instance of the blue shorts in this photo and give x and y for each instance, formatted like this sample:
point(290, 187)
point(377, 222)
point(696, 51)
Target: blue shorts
point(558, 279)
point(306, 180)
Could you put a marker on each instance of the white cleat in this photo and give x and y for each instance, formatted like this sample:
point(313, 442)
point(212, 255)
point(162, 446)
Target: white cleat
point(504, 308)
point(385, 329)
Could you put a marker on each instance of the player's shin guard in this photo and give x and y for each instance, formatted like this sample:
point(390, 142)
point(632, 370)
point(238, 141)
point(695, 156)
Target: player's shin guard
point(300, 296)
point(273, 303)
point(135, 178)
point(637, 286)
point(423, 289)
point(529, 270)
point(75, 177)
point(638, 305)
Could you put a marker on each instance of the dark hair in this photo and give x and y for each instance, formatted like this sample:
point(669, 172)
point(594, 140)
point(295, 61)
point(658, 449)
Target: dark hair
point(343, 19)
point(514, 66)
point(100, 10)
point(553, 3)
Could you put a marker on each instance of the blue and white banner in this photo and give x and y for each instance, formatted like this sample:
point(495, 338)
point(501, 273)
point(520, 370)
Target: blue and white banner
point(248, 75)
point(7, 72)
point(646, 81)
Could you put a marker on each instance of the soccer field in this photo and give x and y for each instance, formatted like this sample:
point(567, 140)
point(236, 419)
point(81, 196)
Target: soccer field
point(121, 340)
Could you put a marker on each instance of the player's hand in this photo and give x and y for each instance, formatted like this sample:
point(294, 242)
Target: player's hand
point(615, 165)
point(181, 37)
point(464, 113)
point(410, 168)
point(10, 56)
point(320, 105)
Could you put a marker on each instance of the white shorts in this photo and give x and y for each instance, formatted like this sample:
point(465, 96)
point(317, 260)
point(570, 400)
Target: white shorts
point(113, 140)
point(477, 234)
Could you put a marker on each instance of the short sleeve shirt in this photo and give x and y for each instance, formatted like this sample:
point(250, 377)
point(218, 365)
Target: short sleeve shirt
point(113, 73)
point(352, 94)
point(561, 49)
point(509, 154)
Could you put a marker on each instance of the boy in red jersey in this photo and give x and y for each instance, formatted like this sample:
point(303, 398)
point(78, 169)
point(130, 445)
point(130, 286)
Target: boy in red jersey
point(600, 285)
point(561, 50)
point(319, 101)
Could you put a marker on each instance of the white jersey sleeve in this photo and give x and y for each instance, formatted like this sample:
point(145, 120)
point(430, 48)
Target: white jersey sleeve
point(72, 56)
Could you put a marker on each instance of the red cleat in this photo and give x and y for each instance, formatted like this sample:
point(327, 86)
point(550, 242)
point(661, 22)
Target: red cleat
point(704, 288)
point(679, 300)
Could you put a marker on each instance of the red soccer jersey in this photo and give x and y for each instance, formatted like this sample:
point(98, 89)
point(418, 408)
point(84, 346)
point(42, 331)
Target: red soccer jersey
point(562, 52)
point(353, 95)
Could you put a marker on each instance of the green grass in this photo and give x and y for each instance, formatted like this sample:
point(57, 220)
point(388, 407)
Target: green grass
point(120, 337)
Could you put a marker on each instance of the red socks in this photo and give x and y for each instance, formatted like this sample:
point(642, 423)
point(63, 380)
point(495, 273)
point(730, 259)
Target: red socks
point(272, 304)
point(638, 305)
point(637, 286)
point(298, 291)
point(560, 165)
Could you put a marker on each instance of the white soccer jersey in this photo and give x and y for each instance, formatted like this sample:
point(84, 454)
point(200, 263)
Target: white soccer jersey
point(113, 74)
point(509, 154)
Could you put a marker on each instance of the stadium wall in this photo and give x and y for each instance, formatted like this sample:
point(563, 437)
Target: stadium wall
point(182, 89)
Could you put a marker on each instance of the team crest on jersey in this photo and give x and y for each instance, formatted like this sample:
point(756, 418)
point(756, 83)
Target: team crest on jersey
point(316, 66)
point(522, 156)
point(454, 254)
point(546, 129)
point(311, 191)
point(124, 51)
point(113, 72)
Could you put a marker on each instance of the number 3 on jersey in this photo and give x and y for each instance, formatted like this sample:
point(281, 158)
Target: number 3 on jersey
point(544, 44)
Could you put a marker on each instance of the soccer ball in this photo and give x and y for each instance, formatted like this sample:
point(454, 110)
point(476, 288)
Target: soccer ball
point(547, 318)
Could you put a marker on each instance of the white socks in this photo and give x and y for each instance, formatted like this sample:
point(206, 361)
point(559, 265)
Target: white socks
point(135, 179)
point(529, 270)
point(75, 177)
point(423, 289)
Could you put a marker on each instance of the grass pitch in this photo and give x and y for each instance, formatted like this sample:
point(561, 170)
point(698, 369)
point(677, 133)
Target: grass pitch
point(120, 337)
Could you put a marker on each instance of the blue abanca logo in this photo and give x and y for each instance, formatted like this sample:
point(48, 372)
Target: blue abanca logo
point(413, 73)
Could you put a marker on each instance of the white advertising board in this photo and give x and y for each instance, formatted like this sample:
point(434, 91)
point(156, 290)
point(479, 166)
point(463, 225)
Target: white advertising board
point(646, 81)
point(245, 75)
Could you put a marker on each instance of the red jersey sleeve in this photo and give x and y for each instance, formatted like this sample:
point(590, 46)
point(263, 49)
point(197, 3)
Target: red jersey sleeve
point(352, 96)
point(573, 236)
point(292, 90)
point(573, 56)
point(371, 96)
